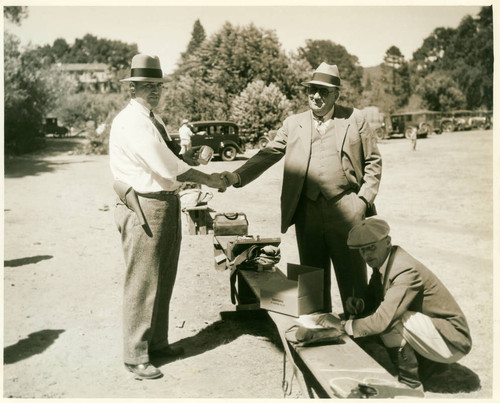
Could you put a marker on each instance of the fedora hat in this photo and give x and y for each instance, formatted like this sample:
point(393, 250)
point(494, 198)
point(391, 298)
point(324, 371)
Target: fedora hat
point(326, 75)
point(145, 68)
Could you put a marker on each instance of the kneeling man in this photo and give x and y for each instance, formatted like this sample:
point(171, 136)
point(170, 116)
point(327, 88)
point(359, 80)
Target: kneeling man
point(415, 315)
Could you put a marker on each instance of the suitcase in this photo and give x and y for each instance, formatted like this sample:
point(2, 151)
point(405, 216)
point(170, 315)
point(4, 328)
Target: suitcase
point(230, 224)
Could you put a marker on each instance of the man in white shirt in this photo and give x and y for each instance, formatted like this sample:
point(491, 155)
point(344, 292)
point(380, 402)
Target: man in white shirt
point(143, 156)
point(185, 134)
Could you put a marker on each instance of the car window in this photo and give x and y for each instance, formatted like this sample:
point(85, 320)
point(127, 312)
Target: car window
point(220, 130)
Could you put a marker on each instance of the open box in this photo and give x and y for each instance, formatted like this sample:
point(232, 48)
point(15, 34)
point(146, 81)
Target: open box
point(298, 293)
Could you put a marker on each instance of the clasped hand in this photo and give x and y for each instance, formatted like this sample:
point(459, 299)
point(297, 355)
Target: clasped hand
point(222, 180)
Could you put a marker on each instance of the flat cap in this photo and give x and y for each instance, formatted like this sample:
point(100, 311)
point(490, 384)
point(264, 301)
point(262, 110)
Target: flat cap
point(367, 232)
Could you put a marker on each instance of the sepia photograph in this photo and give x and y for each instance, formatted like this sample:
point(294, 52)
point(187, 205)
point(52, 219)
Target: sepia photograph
point(258, 200)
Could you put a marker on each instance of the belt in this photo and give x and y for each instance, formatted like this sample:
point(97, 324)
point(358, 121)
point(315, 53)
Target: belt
point(155, 195)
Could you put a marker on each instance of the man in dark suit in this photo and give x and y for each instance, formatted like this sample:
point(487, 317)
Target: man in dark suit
point(415, 315)
point(331, 178)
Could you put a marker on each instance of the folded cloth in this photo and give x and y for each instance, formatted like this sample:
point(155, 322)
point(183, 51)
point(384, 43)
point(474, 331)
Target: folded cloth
point(260, 257)
point(301, 336)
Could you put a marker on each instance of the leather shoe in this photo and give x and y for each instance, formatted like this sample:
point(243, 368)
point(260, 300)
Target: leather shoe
point(408, 367)
point(144, 371)
point(168, 351)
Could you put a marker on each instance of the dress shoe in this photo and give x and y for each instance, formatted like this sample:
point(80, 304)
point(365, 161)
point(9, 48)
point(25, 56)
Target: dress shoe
point(144, 371)
point(168, 351)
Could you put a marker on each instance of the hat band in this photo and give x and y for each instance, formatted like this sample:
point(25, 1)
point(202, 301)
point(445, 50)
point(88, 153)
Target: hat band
point(326, 78)
point(151, 73)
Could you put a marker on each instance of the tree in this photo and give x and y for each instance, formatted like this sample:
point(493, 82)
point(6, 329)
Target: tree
point(89, 49)
point(317, 51)
point(440, 93)
point(31, 91)
point(15, 14)
point(260, 108)
point(208, 79)
point(465, 54)
point(198, 36)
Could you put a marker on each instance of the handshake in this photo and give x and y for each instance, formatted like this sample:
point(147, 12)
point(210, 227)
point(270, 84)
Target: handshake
point(222, 180)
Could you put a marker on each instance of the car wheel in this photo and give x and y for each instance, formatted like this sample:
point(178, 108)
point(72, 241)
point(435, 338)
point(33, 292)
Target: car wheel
point(380, 133)
point(263, 142)
point(447, 127)
point(423, 130)
point(228, 153)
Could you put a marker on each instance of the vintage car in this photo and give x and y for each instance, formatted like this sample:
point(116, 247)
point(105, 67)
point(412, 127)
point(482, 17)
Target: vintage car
point(222, 136)
point(465, 120)
point(259, 140)
point(425, 122)
point(50, 126)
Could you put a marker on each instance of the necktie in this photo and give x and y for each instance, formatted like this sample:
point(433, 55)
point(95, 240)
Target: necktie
point(320, 126)
point(376, 287)
point(174, 147)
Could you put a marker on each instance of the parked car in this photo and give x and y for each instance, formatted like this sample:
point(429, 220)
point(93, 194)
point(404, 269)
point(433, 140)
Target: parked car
point(50, 126)
point(223, 137)
point(259, 140)
point(426, 122)
point(465, 120)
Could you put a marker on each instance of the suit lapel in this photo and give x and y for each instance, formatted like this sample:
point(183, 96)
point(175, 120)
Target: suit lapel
point(341, 127)
point(388, 268)
point(305, 132)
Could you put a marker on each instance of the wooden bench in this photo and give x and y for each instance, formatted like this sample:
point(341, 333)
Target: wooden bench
point(199, 219)
point(324, 371)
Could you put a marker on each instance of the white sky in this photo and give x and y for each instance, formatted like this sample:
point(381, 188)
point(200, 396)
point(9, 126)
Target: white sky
point(366, 31)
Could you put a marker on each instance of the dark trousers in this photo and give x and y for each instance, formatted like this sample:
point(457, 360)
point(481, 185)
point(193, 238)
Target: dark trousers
point(151, 267)
point(322, 227)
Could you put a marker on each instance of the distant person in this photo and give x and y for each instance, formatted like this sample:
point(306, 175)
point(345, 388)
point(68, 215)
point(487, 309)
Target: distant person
point(145, 162)
point(331, 177)
point(415, 315)
point(185, 135)
point(413, 138)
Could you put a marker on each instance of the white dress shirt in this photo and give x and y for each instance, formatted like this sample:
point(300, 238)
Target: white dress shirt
point(138, 154)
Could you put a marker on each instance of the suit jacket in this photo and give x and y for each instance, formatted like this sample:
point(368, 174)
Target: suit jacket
point(356, 145)
point(410, 286)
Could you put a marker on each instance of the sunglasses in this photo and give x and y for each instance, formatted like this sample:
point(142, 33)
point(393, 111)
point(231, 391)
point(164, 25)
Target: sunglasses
point(323, 92)
point(152, 86)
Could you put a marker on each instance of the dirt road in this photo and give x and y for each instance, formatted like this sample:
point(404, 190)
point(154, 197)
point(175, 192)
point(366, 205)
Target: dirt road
point(64, 270)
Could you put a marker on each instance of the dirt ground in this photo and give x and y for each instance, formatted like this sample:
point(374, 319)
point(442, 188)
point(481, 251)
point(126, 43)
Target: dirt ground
point(63, 273)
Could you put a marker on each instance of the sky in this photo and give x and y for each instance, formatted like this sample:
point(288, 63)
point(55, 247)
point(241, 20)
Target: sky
point(366, 31)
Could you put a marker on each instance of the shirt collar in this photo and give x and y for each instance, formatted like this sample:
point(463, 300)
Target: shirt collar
point(139, 106)
point(325, 117)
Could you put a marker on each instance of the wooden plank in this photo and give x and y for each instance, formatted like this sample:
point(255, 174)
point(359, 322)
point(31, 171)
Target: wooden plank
point(337, 368)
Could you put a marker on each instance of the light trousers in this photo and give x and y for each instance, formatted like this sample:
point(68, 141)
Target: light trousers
point(420, 333)
point(151, 267)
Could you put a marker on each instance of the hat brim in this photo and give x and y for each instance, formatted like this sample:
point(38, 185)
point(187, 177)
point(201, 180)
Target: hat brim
point(319, 83)
point(150, 79)
point(361, 246)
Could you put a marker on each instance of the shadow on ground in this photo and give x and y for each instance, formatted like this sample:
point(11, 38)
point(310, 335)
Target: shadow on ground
point(229, 328)
point(35, 163)
point(35, 343)
point(26, 260)
point(454, 379)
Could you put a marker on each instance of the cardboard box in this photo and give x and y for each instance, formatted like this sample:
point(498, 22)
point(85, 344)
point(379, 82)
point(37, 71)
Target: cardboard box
point(299, 293)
